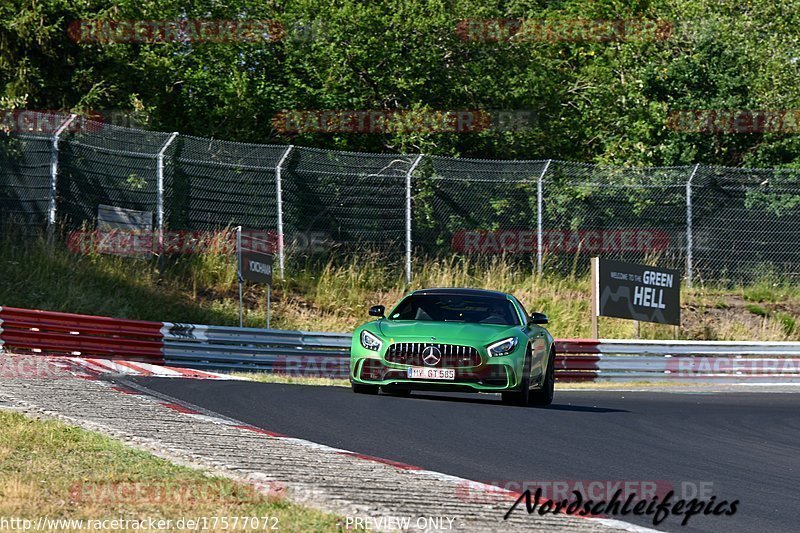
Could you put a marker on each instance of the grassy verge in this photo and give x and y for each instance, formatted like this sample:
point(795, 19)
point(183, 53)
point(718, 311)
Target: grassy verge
point(264, 377)
point(50, 469)
point(329, 382)
point(335, 296)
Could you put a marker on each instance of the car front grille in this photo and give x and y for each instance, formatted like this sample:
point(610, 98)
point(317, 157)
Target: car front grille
point(489, 375)
point(452, 355)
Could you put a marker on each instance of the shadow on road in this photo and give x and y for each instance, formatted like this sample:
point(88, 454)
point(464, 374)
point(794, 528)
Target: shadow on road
point(492, 400)
point(583, 408)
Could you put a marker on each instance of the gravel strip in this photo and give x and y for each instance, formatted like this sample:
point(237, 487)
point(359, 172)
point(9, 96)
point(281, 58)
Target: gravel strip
point(313, 475)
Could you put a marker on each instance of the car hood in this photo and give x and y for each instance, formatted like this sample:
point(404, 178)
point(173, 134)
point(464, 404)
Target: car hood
point(447, 332)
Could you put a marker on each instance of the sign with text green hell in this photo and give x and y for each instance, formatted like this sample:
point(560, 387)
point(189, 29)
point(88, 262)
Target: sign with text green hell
point(638, 292)
point(257, 267)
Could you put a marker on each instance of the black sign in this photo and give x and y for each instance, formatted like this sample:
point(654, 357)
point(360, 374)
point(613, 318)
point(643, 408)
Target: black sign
point(257, 267)
point(638, 292)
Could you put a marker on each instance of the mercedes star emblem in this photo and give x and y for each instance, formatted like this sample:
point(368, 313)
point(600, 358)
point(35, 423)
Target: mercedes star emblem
point(431, 355)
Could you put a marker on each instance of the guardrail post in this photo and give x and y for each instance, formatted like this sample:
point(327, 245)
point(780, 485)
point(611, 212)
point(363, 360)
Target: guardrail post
point(279, 199)
point(540, 219)
point(409, 192)
point(239, 272)
point(51, 212)
point(689, 243)
point(160, 191)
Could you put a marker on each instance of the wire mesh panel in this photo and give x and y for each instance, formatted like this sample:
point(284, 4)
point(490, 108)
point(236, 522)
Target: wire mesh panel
point(341, 200)
point(216, 184)
point(110, 165)
point(24, 180)
point(630, 214)
point(26, 141)
point(476, 207)
point(746, 223)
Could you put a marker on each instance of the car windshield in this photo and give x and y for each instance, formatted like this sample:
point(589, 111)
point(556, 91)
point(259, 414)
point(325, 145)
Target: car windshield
point(456, 308)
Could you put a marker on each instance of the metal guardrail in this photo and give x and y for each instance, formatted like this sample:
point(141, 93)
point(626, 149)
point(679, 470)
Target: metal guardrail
point(327, 354)
point(301, 353)
point(679, 360)
point(693, 348)
point(248, 349)
point(29, 330)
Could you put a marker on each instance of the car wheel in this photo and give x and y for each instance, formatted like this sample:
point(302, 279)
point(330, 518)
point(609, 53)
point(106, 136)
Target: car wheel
point(544, 396)
point(396, 391)
point(521, 396)
point(364, 389)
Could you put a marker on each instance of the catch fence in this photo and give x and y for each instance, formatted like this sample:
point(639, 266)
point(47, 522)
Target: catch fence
point(712, 223)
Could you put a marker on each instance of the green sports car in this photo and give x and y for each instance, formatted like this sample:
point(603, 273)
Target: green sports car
point(466, 340)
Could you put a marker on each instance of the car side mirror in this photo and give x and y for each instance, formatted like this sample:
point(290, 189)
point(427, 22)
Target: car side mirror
point(539, 318)
point(377, 310)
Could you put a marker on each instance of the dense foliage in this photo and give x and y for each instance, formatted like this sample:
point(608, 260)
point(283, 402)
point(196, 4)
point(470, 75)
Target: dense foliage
point(593, 100)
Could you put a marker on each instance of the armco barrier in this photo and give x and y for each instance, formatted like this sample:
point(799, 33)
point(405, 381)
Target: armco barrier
point(278, 351)
point(26, 330)
point(683, 360)
point(301, 353)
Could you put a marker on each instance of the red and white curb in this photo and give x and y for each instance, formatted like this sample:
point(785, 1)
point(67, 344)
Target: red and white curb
point(198, 413)
point(180, 408)
point(118, 367)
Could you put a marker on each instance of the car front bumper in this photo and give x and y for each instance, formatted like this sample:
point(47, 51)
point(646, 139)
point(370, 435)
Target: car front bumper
point(491, 375)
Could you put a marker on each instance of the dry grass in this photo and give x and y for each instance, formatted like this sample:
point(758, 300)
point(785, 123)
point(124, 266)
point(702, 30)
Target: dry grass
point(655, 384)
point(335, 295)
point(264, 377)
point(49, 469)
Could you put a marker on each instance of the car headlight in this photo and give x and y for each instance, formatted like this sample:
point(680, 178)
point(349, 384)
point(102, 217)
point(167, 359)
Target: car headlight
point(504, 347)
point(370, 341)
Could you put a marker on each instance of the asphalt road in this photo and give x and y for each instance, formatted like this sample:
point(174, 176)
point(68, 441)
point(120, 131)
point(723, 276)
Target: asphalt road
point(733, 446)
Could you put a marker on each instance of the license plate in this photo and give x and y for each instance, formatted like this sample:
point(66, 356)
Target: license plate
point(422, 372)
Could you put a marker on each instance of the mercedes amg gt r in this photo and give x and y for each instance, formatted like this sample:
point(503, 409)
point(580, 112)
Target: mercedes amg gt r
point(467, 340)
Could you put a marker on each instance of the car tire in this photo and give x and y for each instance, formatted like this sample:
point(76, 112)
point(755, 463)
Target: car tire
point(364, 389)
point(396, 390)
point(521, 397)
point(544, 396)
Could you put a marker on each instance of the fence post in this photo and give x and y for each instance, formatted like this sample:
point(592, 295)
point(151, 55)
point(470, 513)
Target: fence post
point(540, 219)
point(51, 212)
point(689, 227)
point(160, 190)
point(279, 199)
point(239, 278)
point(408, 216)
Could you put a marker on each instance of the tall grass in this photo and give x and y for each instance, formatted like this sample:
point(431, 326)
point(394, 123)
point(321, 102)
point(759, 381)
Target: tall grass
point(335, 295)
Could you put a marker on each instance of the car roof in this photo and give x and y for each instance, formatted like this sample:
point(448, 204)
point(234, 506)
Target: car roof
point(457, 291)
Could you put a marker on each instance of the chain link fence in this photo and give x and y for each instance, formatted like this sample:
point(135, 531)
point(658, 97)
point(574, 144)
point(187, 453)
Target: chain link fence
point(345, 201)
point(630, 214)
point(715, 224)
point(102, 164)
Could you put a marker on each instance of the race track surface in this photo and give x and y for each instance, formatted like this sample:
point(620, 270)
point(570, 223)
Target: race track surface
point(743, 446)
